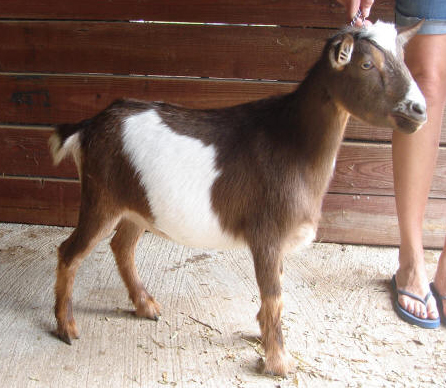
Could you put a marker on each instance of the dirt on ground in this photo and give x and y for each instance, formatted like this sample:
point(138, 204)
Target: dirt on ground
point(338, 320)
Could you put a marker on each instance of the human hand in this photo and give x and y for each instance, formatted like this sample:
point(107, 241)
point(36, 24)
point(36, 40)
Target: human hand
point(352, 7)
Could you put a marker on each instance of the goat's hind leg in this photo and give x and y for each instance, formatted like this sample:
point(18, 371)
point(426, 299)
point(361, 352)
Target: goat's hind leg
point(123, 245)
point(92, 227)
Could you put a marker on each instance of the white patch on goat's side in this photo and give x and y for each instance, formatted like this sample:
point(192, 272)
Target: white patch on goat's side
point(177, 173)
point(383, 34)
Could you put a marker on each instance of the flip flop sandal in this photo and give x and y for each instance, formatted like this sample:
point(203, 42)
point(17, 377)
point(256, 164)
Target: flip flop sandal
point(405, 315)
point(440, 300)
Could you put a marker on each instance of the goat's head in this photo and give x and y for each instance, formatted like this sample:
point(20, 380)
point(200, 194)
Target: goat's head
point(369, 78)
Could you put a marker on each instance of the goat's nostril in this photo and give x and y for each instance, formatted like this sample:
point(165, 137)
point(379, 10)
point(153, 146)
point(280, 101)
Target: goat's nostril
point(418, 108)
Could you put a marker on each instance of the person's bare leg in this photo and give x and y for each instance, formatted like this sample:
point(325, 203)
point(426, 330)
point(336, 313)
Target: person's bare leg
point(440, 276)
point(414, 158)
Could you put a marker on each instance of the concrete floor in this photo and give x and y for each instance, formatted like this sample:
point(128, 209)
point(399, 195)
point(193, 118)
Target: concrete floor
point(338, 320)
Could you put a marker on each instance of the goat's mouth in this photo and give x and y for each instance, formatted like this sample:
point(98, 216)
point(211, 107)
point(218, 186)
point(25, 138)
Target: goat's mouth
point(408, 123)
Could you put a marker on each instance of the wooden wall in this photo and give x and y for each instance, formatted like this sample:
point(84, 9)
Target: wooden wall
point(63, 61)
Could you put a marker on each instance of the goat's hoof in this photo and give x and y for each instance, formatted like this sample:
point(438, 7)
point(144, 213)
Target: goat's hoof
point(148, 308)
point(278, 365)
point(66, 333)
point(64, 337)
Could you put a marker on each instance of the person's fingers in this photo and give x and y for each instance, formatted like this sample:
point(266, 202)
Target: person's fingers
point(352, 7)
point(366, 6)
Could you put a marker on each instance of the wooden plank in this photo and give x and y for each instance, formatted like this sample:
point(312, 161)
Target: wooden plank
point(39, 201)
point(346, 218)
point(160, 49)
point(366, 168)
point(24, 152)
point(325, 13)
point(356, 219)
point(54, 99)
point(361, 168)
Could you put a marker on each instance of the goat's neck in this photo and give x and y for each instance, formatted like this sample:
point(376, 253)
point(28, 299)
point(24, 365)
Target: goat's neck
point(320, 122)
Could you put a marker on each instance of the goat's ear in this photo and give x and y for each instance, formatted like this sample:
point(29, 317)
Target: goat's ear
point(406, 33)
point(340, 52)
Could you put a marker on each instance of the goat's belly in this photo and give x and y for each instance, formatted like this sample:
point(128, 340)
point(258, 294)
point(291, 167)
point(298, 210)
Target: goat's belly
point(203, 235)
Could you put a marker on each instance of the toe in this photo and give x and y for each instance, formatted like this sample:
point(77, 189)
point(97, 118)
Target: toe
point(406, 303)
point(432, 312)
point(419, 310)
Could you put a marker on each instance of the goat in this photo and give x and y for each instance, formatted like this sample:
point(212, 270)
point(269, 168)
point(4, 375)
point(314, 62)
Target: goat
point(251, 175)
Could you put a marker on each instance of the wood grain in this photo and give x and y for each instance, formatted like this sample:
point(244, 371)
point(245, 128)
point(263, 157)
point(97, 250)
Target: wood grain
point(53, 99)
point(362, 219)
point(39, 201)
point(327, 13)
point(159, 49)
point(364, 168)
point(24, 152)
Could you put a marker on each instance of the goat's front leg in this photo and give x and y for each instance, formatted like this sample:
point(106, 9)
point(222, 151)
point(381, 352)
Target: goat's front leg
point(268, 267)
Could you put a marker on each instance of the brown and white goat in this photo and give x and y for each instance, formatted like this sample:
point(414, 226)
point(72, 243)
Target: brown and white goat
point(250, 175)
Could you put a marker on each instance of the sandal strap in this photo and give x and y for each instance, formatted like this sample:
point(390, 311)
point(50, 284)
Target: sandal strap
point(416, 297)
point(442, 297)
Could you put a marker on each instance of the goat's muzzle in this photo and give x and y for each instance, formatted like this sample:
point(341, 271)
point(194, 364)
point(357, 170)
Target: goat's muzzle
point(409, 116)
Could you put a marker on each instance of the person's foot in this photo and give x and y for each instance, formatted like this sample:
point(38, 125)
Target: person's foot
point(415, 281)
point(440, 280)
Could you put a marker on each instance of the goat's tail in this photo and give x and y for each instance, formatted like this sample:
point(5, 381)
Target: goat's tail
point(66, 140)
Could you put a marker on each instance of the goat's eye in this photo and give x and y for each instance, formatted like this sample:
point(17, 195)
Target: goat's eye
point(366, 65)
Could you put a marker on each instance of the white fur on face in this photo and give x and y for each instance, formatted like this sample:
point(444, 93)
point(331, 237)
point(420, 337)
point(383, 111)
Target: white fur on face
point(177, 173)
point(383, 34)
point(414, 94)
